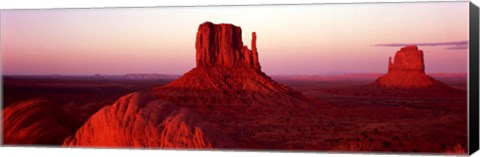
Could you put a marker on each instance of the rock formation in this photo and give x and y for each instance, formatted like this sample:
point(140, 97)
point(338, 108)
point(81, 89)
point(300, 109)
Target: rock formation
point(228, 88)
point(221, 45)
point(223, 64)
point(35, 121)
point(135, 120)
point(407, 59)
point(407, 71)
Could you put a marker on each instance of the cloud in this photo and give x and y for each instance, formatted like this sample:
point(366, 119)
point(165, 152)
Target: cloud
point(457, 48)
point(451, 45)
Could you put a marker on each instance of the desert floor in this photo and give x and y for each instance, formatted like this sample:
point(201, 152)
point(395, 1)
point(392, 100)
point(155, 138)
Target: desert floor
point(353, 117)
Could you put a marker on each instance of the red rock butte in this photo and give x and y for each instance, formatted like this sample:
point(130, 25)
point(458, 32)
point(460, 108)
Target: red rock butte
point(220, 45)
point(407, 71)
point(223, 64)
point(408, 59)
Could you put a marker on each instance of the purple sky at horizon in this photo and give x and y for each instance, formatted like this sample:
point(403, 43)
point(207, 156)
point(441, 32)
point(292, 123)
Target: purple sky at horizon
point(296, 39)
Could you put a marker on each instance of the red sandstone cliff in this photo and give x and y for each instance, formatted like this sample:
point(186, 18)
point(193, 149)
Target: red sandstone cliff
point(221, 45)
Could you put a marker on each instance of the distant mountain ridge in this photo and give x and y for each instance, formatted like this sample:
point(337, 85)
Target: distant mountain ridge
point(140, 76)
point(132, 76)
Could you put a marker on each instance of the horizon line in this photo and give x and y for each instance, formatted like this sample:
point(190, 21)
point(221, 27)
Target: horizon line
point(326, 73)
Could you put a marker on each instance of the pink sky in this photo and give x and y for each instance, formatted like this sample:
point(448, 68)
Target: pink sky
point(307, 39)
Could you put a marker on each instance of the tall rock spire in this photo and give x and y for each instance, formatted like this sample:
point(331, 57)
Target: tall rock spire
point(256, 63)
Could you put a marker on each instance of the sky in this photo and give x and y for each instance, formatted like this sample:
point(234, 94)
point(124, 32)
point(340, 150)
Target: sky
point(291, 39)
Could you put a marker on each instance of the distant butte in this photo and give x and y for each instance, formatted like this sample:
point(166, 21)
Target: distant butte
point(407, 71)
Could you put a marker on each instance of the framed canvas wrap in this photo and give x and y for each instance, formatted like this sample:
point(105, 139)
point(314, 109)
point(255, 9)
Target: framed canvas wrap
point(360, 77)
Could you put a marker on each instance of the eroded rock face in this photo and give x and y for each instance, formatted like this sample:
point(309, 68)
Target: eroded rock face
point(138, 121)
point(221, 45)
point(35, 121)
point(407, 59)
point(407, 71)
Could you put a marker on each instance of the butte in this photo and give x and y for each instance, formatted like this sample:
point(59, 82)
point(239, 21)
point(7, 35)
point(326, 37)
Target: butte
point(407, 71)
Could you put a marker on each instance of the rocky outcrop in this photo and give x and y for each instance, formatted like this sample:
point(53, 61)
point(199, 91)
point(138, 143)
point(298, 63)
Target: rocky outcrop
point(35, 121)
point(224, 69)
point(221, 45)
point(138, 121)
point(407, 71)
